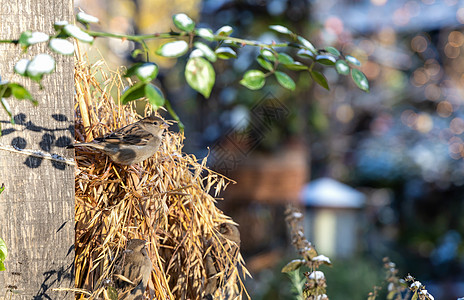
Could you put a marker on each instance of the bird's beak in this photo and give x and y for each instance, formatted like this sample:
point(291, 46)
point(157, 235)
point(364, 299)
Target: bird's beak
point(164, 125)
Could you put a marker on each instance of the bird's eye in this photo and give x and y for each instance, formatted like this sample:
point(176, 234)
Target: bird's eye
point(156, 122)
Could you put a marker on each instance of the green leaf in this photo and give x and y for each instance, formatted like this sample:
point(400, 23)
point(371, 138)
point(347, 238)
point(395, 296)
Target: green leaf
point(28, 38)
point(360, 79)
point(305, 53)
point(21, 66)
point(5, 89)
point(86, 18)
point(147, 71)
point(208, 53)
point(205, 33)
point(296, 66)
point(154, 96)
point(3, 250)
point(196, 53)
point(352, 60)
point(173, 49)
point(200, 75)
point(20, 92)
point(285, 80)
point(7, 108)
point(320, 79)
point(268, 54)
point(3, 253)
point(61, 46)
point(280, 29)
point(2, 188)
point(342, 67)
point(76, 32)
point(134, 92)
point(264, 63)
point(144, 71)
point(327, 60)
point(59, 25)
point(284, 58)
point(137, 52)
point(24, 37)
point(333, 51)
point(253, 79)
point(225, 53)
point(305, 43)
point(225, 30)
point(183, 22)
point(40, 65)
point(293, 265)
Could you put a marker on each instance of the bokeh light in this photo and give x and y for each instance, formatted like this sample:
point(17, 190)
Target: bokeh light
point(334, 25)
point(460, 15)
point(409, 117)
point(457, 125)
point(413, 8)
point(456, 39)
point(419, 44)
point(387, 36)
point(451, 52)
point(432, 92)
point(444, 109)
point(456, 147)
point(424, 123)
point(371, 70)
point(367, 46)
point(420, 77)
point(344, 113)
point(379, 2)
point(432, 67)
point(401, 16)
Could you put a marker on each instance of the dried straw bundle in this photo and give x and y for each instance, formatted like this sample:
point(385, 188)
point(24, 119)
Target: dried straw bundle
point(166, 202)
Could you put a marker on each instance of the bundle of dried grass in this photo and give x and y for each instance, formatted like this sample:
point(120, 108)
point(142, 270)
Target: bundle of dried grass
point(166, 202)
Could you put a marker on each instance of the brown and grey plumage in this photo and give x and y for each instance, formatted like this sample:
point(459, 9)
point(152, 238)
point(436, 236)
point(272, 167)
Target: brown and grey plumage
point(229, 246)
point(133, 265)
point(131, 144)
point(230, 232)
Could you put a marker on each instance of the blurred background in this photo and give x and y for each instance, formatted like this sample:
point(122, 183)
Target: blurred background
point(377, 174)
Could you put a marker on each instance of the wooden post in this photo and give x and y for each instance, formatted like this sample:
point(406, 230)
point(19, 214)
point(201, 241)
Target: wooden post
point(37, 206)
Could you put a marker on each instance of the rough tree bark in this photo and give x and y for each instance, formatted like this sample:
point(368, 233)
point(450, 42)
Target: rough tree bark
point(37, 206)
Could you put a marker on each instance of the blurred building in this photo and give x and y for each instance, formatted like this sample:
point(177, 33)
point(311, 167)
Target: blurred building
point(332, 219)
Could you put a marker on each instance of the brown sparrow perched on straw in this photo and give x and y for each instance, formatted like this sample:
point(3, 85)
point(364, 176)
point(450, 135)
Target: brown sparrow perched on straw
point(131, 144)
point(228, 248)
point(132, 270)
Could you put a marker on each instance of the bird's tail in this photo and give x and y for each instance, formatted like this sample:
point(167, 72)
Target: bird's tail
point(92, 145)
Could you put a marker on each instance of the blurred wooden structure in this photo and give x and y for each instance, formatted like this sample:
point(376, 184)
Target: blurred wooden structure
point(266, 182)
point(37, 206)
point(275, 178)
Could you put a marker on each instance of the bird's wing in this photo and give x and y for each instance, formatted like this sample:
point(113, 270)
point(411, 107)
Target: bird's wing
point(132, 134)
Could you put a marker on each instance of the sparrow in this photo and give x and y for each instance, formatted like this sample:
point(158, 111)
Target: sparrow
point(132, 265)
point(229, 239)
point(230, 232)
point(131, 144)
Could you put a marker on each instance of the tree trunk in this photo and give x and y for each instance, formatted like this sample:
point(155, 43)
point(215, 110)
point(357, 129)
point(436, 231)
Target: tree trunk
point(37, 206)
